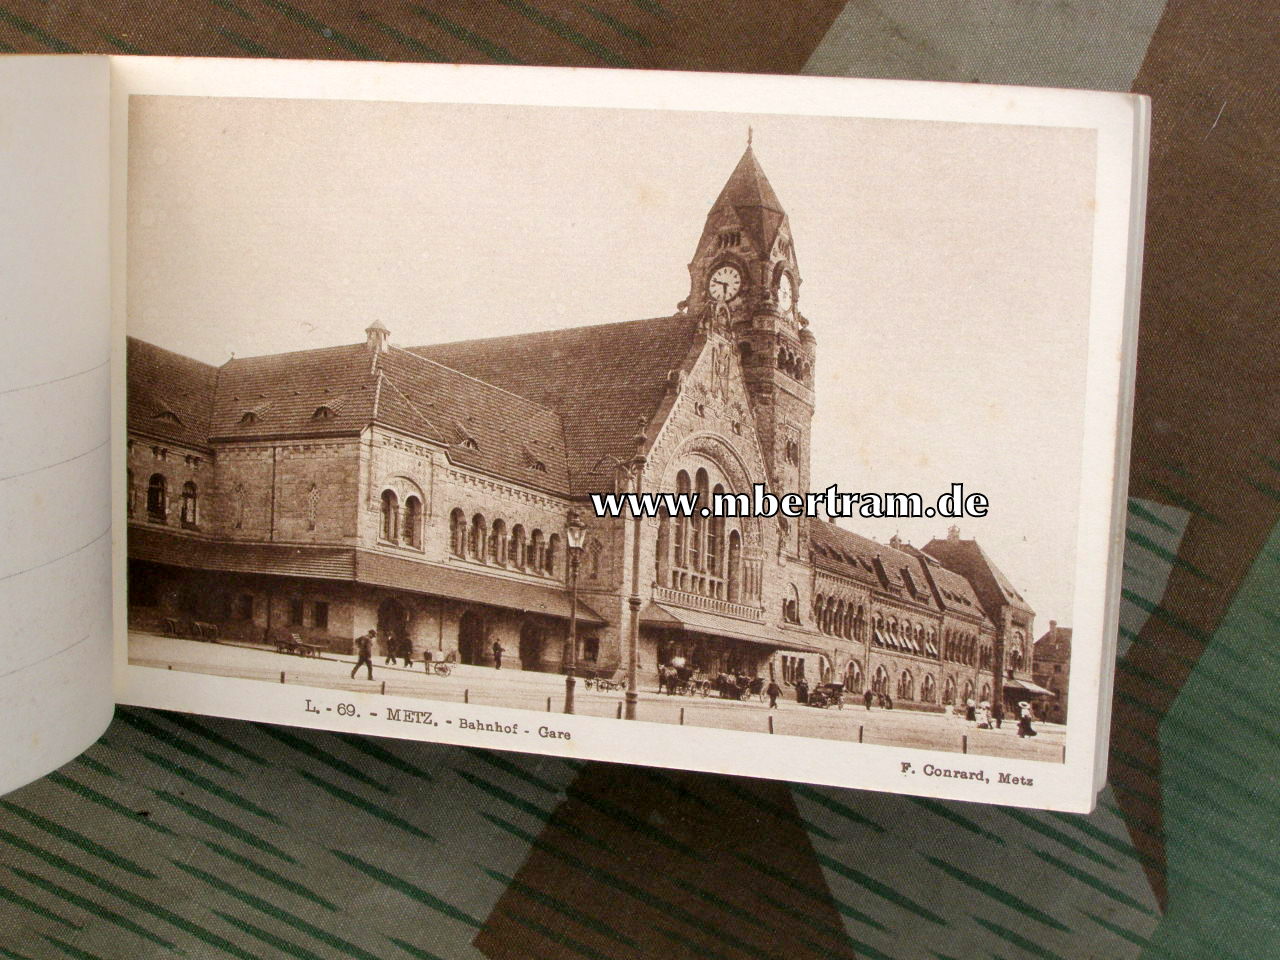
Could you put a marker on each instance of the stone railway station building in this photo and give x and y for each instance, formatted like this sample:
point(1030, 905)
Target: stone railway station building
point(424, 491)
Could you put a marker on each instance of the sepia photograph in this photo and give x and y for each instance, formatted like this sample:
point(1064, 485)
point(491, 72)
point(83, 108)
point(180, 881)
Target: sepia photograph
point(387, 361)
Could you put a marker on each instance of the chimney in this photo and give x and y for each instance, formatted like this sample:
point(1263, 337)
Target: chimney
point(1053, 630)
point(953, 532)
point(377, 336)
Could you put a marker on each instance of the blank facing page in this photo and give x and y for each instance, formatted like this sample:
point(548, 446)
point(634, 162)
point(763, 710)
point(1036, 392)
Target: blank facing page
point(55, 537)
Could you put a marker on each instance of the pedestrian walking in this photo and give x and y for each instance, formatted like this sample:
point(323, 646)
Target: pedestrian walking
point(970, 710)
point(888, 702)
point(497, 655)
point(364, 653)
point(868, 697)
point(802, 690)
point(389, 649)
point(1025, 716)
point(406, 650)
point(984, 715)
point(774, 691)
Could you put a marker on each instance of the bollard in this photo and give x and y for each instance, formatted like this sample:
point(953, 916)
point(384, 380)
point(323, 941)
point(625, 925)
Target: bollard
point(282, 676)
point(171, 666)
point(682, 716)
point(1064, 753)
point(964, 743)
point(548, 704)
point(384, 687)
point(771, 723)
point(466, 695)
point(619, 710)
point(859, 733)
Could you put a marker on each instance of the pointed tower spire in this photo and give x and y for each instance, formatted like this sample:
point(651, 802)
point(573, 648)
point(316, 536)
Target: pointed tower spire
point(750, 195)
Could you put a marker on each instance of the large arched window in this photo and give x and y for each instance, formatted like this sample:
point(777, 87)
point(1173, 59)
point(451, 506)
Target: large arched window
point(880, 682)
point(949, 691)
point(986, 692)
point(498, 543)
point(715, 545)
point(853, 677)
point(928, 689)
point(390, 515)
point(479, 541)
point(157, 498)
point(968, 691)
point(906, 686)
point(681, 559)
point(189, 515)
point(458, 532)
point(412, 532)
point(735, 573)
point(697, 525)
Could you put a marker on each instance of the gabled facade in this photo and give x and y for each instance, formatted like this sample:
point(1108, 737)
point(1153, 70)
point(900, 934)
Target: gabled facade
point(424, 491)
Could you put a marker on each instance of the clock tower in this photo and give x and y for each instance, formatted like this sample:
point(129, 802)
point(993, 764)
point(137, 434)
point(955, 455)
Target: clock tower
point(745, 282)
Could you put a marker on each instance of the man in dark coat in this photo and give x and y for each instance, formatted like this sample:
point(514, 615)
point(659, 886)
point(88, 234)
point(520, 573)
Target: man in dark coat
point(802, 690)
point(868, 697)
point(774, 691)
point(364, 653)
point(497, 655)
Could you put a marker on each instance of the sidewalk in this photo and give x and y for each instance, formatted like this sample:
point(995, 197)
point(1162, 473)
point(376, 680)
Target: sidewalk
point(543, 692)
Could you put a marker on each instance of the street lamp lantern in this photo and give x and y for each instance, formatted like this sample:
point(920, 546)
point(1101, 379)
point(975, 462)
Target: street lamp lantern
point(575, 531)
point(575, 537)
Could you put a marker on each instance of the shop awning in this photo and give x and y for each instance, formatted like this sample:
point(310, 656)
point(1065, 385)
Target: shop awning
point(494, 591)
point(716, 625)
point(1026, 686)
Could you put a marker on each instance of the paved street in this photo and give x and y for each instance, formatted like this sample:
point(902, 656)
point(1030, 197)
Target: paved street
point(535, 691)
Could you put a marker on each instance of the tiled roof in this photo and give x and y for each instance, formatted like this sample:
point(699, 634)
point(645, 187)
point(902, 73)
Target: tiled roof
point(971, 561)
point(280, 394)
point(169, 396)
point(511, 436)
point(957, 592)
point(844, 552)
point(601, 380)
point(337, 390)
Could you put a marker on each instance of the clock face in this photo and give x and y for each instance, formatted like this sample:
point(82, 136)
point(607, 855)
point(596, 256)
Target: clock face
point(786, 292)
point(724, 284)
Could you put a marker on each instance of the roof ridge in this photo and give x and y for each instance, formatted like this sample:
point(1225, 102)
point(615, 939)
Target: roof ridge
point(451, 344)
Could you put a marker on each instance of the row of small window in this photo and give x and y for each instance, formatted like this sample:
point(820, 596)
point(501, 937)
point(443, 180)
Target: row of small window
point(536, 553)
point(241, 608)
point(157, 506)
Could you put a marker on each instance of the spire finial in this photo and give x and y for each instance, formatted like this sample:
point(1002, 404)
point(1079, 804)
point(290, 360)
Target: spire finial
point(748, 135)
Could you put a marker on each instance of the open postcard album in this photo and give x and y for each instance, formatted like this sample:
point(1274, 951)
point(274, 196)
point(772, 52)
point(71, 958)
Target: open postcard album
point(766, 426)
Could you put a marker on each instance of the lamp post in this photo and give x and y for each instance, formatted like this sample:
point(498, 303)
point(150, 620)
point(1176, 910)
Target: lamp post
point(575, 534)
point(635, 474)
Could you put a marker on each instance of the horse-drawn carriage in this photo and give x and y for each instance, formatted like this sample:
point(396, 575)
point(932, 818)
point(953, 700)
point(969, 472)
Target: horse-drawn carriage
point(827, 695)
point(682, 679)
point(738, 686)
